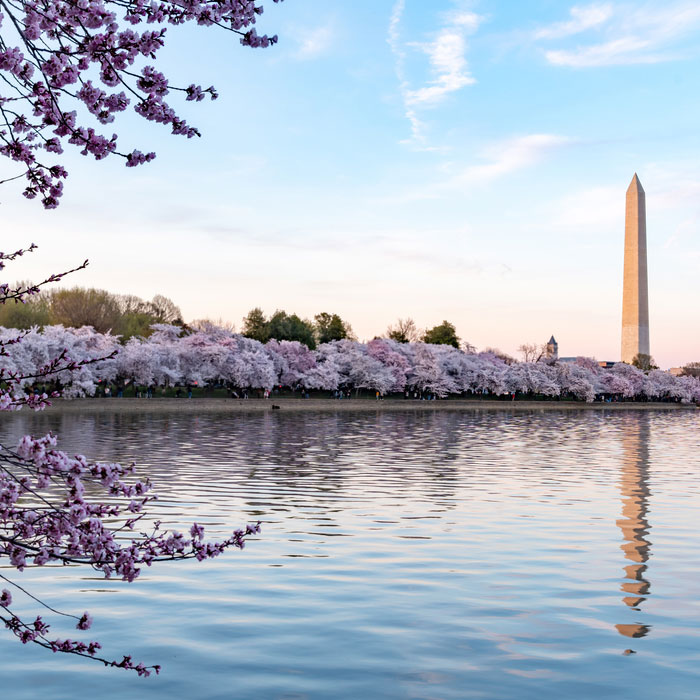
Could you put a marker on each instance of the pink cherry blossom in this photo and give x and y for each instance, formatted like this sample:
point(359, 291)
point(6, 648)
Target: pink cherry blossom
point(46, 514)
point(50, 53)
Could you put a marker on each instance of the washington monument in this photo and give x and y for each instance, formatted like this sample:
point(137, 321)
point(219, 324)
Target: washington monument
point(635, 289)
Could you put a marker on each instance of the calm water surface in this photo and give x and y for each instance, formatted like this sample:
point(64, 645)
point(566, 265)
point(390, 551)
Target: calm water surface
point(403, 555)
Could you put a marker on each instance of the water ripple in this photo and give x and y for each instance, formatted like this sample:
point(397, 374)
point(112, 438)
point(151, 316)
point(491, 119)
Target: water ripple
point(403, 555)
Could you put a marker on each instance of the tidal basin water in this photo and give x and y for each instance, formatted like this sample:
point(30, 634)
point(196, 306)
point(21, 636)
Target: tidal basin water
point(422, 555)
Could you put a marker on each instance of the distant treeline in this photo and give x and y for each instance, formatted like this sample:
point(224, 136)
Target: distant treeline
point(125, 315)
point(325, 328)
point(215, 357)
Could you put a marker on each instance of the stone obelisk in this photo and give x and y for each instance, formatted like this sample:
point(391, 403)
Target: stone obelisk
point(635, 291)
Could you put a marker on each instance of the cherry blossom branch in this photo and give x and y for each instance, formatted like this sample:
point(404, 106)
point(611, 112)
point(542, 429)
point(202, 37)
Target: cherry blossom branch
point(46, 517)
point(20, 295)
point(72, 530)
point(38, 600)
point(49, 53)
point(36, 632)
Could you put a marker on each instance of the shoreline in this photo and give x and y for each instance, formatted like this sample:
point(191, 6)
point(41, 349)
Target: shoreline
point(224, 405)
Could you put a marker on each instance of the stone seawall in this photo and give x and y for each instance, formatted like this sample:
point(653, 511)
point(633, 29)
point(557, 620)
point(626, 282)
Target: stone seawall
point(132, 405)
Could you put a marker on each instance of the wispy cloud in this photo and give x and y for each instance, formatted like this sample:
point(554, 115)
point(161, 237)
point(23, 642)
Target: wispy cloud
point(447, 262)
point(394, 41)
point(448, 62)
point(507, 157)
point(315, 42)
point(495, 161)
point(672, 194)
point(621, 52)
point(582, 18)
point(446, 52)
point(622, 34)
point(592, 209)
point(405, 248)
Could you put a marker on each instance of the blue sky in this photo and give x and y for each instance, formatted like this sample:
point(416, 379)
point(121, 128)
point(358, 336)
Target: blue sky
point(441, 160)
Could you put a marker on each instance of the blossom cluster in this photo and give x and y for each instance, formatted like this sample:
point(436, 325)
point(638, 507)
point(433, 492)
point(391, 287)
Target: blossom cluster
point(63, 58)
point(57, 508)
point(46, 516)
point(214, 356)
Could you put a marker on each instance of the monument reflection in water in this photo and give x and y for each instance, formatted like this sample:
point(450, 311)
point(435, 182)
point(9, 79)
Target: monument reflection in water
point(634, 489)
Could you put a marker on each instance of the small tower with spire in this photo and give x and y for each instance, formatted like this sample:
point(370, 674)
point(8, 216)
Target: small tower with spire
point(552, 349)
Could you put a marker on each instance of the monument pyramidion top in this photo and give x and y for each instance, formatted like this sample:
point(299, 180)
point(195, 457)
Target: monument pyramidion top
point(635, 185)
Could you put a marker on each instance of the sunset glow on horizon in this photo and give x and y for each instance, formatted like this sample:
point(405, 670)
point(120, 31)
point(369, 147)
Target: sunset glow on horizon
point(453, 160)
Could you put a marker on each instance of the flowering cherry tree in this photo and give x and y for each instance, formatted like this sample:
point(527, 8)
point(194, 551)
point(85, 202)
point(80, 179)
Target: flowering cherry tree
point(387, 352)
point(634, 378)
point(69, 67)
point(292, 360)
point(61, 509)
point(213, 356)
point(577, 380)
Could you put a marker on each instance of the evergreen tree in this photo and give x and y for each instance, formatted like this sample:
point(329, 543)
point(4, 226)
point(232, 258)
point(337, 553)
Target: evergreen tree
point(282, 326)
point(330, 327)
point(255, 325)
point(444, 334)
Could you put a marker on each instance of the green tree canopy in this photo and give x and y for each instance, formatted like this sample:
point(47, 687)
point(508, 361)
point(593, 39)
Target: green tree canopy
point(134, 324)
point(444, 334)
point(79, 306)
point(255, 325)
point(34, 312)
point(282, 326)
point(330, 327)
point(125, 315)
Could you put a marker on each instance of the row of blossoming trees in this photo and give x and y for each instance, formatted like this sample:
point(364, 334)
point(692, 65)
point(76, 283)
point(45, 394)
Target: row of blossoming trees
point(215, 356)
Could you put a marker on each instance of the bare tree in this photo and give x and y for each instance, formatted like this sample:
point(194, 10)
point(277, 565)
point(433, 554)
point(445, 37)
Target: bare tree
point(692, 369)
point(131, 304)
point(644, 362)
point(532, 352)
point(505, 357)
point(165, 310)
point(208, 324)
point(405, 331)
